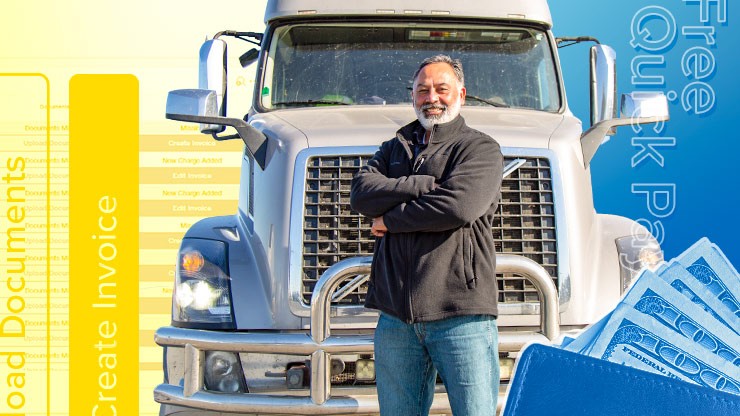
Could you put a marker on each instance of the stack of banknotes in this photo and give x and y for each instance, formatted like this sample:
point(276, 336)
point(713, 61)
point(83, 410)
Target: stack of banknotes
point(681, 321)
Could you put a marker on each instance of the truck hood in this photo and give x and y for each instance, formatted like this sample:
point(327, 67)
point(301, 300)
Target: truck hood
point(371, 125)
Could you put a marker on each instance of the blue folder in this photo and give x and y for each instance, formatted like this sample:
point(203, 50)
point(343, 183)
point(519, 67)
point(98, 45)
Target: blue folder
point(551, 381)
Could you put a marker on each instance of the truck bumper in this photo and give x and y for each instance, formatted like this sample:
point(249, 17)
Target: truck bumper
point(287, 405)
point(319, 345)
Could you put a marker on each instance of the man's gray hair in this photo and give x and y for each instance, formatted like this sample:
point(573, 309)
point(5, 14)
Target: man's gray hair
point(456, 65)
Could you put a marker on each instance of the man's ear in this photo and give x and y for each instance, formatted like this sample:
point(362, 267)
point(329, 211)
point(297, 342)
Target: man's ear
point(463, 91)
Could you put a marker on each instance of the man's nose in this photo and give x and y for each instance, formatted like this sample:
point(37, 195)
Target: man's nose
point(433, 96)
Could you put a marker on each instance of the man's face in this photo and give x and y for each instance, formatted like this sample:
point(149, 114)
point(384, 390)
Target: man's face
point(437, 95)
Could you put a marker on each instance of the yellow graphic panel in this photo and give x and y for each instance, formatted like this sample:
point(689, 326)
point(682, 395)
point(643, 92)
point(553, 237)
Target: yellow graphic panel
point(104, 239)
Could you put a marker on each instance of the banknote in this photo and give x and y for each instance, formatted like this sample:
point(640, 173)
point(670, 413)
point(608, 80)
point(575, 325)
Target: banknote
point(656, 299)
point(712, 256)
point(709, 266)
point(679, 295)
point(565, 341)
point(682, 321)
point(636, 340)
point(684, 282)
point(584, 341)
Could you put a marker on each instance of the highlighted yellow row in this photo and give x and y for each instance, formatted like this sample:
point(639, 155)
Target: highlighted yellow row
point(189, 142)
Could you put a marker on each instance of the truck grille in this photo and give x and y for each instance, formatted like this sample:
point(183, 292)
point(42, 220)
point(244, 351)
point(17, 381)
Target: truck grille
point(524, 224)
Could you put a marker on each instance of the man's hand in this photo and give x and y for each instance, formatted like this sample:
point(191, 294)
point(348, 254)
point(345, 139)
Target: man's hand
point(378, 228)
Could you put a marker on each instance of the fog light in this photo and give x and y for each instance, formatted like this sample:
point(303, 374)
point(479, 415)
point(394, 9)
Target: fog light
point(506, 366)
point(365, 370)
point(337, 366)
point(224, 373)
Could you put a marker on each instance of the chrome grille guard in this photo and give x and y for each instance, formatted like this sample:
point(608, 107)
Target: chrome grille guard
point(319, 344)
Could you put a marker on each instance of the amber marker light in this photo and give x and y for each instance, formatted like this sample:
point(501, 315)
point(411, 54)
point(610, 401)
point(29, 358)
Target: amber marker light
point(192, 261)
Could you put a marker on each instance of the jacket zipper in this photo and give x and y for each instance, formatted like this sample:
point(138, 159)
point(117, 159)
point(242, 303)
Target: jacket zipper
point(415, 166)
point(409, 308)
point(471, 247)
point(409, 318)
point(421, 157)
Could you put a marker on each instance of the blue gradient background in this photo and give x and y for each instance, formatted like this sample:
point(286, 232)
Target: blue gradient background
point(701, 162)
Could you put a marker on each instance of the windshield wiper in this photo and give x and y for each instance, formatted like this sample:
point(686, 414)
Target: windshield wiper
point(309, 102)
point(483, 100)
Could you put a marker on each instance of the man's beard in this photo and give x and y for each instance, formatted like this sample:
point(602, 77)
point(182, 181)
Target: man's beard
point(448, 114)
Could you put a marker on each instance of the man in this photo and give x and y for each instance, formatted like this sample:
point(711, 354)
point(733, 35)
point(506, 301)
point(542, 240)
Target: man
point(432, 192)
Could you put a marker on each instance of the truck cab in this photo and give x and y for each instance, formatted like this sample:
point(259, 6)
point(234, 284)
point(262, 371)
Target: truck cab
point(268, 313)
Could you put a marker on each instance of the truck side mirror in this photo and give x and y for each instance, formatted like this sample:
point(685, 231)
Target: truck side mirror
point(645, 107)
point(207, 105)
point(201, 106)
point(191, 105)
point(212, 77)
point(248, 57)
point(603, 83)
point(637, 108)
point(182, 104)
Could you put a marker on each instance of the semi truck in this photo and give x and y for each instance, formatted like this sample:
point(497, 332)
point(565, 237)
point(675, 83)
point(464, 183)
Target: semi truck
point(267, 308)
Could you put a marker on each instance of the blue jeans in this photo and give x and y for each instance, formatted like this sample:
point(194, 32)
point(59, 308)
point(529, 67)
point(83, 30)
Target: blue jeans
point(463, 349)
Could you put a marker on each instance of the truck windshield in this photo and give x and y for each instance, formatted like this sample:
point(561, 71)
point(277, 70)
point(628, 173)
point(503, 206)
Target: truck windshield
point(372, 64)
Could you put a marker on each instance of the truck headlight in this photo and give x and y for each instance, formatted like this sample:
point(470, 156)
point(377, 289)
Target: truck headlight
point(202, 295)
point(636, 252)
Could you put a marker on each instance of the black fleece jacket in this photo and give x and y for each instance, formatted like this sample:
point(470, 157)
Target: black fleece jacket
point(437, 259)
